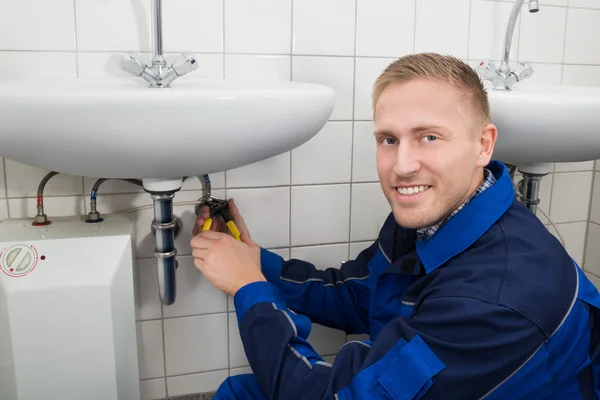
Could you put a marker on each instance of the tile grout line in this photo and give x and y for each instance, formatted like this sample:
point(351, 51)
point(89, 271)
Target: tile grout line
point(272, 54)
point(469, 29)
point(589, 217)
point(415, 27)
point(225, 190)
point(76, 42)
point(353, 131)
point(5, 187)
point(224, 52)
point(291, 152)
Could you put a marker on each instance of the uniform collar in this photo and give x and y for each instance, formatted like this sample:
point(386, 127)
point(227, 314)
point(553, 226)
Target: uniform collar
point(468, 225)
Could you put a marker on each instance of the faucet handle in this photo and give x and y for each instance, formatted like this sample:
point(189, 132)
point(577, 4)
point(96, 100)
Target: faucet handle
point(522, 71)
point(184, 64)
point(130, 64)
point(488, 71)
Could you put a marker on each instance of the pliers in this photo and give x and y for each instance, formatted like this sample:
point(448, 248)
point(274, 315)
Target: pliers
point(218, 207)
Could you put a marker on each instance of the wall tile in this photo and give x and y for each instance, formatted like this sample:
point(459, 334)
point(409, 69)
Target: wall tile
point(443, 27)
point(364, 154)
point(574, 236)
point(326, 341)
point(357, 247)
point(335, 72)
point(367, 72)
point(595, 207)
point(23, 181)
point(153, 389)
point(320, 214)
point(197, 383)
point(196, 344)
point(149, 304)
point(266, 212)
point(113, 25)
point(574, 166)
point(370, 209)
point(2, 180)
point(313, 21)
point(563, 3)
point(274, 171)
point(111, 186)
point(217, 181)
point(17, 65)
point(237, 355)
point(53, 207)
point(192, 25)
point(571, 196)
point(543, 35)
point(37, 25)
point(543, 75)
point(240, 371)
point(195, 294)
point(150, 349)
point(322, 257)
point(3, 209)
point(385, 28)
point(326, 158)
point(584, 3)
point(594, 279)
point(262, 26)
point(488, 28)
point(244, 66)
point(581, 26)
point(545, 196)
point(581, 75)
point(592, 253)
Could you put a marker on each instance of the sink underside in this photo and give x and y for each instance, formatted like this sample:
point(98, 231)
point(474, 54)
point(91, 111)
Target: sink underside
point(546, 124)
point(123, 129)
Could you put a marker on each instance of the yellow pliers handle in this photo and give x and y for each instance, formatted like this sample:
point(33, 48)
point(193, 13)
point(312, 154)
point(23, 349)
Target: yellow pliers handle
point(230, 224)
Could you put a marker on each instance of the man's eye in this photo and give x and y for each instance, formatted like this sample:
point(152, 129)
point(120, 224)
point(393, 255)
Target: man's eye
point(389, 141)
point(430, 138)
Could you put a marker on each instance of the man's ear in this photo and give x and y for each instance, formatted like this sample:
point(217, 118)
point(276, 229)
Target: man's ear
point(487, 141)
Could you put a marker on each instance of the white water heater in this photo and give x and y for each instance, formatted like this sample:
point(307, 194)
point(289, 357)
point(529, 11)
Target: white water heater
point(67, 316)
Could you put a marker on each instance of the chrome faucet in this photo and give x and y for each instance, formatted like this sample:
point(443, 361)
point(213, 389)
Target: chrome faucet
point(504, 77)
point(158, 74)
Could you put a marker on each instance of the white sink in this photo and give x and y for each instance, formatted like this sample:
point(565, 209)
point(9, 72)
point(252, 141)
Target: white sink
point(121, 128)
point(546, 124)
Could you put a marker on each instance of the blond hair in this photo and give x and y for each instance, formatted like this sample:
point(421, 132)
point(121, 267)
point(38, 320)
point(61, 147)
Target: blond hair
point(443, 68)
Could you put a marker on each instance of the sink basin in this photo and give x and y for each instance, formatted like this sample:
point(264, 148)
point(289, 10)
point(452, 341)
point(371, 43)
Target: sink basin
point(121, 128)
point(546, 124)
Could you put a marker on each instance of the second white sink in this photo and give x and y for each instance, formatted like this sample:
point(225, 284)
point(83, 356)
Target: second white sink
point(546, 124)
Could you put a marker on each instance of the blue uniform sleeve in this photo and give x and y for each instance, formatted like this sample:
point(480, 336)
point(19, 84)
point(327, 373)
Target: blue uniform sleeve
point(452, 345)
point(336, 297)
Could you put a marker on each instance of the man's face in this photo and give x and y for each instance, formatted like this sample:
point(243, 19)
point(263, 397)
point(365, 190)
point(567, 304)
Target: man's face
point(430, 157)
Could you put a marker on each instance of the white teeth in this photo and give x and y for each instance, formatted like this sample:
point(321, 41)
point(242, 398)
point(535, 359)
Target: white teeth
point(412, 190)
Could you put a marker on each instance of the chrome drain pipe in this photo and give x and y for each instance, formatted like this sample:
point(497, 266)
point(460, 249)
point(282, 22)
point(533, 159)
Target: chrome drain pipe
point(164, 226)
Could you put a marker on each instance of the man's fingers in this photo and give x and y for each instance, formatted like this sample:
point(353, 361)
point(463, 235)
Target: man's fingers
point(199, 253)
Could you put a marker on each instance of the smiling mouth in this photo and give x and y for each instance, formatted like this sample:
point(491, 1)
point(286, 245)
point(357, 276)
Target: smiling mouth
point(412, 190)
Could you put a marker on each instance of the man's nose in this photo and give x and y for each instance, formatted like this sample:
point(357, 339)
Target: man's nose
point(407, 161)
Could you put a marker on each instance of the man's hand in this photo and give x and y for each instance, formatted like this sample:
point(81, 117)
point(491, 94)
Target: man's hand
point(226, 262)
point(218, 224)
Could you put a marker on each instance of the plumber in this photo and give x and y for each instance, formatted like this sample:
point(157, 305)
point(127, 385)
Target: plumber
point(464, 295)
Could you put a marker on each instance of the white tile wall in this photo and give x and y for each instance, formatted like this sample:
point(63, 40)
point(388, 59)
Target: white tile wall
point(320, 202)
